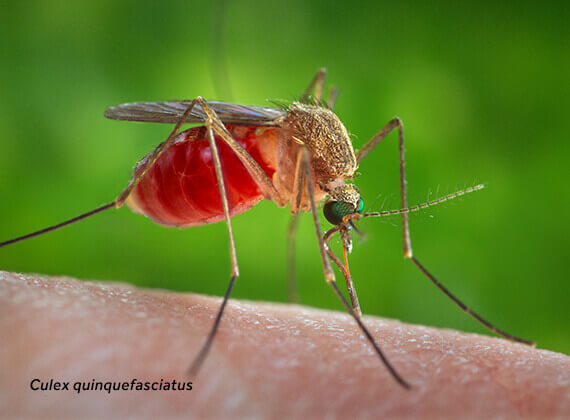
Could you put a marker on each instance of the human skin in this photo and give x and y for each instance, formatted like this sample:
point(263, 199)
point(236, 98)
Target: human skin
point(268, 360)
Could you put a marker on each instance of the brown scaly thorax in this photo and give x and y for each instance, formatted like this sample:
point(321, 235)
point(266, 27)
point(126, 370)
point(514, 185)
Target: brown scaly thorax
point(330, 148)
point(332, 156)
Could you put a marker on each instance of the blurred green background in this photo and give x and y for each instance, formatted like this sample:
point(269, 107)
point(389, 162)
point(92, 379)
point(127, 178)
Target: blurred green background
point(483, 91)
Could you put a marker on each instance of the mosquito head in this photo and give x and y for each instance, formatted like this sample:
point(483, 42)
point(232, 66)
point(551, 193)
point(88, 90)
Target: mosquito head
point(344, 199)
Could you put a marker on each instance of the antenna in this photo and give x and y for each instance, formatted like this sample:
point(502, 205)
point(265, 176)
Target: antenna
point(423, 205)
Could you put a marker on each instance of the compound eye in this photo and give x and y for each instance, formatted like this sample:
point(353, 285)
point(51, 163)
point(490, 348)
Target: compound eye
point(335, 210)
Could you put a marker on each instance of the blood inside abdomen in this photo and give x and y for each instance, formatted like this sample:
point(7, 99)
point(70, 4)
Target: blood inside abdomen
point(181, 188)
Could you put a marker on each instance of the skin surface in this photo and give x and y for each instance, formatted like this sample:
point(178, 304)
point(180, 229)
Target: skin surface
point(268, 361)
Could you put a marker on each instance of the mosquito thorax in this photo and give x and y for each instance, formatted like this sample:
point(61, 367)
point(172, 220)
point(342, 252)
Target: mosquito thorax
point(326, 137)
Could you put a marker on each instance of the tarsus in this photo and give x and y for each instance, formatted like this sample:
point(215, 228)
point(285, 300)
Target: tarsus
point(59, 225)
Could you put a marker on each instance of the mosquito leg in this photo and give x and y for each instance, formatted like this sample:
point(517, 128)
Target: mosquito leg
point(344, 270)
point(467, 310)
point(370, 338)
point(257, 173)
point(120, 200)
point(195, 367)
point(298, 191)
point(253, 168)
point(329, 275)
point(298, 182)
point(223, 196)
point(317, 84)
point(372, 143)
point(407, 244)
point(214, 124)
point(292, 286)
point(59, 225)
point(297, 194)
point(304, 165)
point(197, 363)
point(333, 95)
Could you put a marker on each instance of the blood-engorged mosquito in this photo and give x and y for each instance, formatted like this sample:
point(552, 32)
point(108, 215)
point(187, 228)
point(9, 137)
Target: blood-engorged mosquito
point(299, 153)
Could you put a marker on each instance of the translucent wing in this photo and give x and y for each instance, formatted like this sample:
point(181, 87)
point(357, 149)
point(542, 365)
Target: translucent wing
point(172, 111)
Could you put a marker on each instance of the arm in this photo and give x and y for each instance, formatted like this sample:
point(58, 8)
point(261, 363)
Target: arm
point(270, 360)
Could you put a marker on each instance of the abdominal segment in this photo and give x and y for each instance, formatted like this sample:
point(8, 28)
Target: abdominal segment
point(181, 188)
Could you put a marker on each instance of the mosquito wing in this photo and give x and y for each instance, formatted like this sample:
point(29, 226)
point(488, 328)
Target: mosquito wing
point(172, 111)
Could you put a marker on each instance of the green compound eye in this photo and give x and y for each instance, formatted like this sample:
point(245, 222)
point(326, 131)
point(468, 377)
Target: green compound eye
point(360, 205)
point(335, 210)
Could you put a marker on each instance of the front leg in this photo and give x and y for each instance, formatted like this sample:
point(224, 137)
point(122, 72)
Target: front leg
point(328, 273)
point(317, 84)
point(372, 143)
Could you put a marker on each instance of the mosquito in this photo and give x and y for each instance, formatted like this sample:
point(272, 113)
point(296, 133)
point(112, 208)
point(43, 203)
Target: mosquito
point(297, 153)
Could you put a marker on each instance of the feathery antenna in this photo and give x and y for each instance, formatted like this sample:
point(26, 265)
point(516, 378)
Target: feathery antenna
point(424, 205)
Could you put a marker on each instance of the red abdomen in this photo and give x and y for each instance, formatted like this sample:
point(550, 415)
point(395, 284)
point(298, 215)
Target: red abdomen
point(181, 188)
